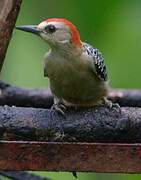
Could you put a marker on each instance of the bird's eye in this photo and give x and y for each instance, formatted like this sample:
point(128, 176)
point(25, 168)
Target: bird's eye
point(50, 28)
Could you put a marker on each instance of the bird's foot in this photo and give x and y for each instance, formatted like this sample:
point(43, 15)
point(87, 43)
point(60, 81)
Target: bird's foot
point(111, 105)
point(60, 108)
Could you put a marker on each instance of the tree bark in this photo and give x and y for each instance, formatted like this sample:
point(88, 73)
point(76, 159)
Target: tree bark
point(9, 10)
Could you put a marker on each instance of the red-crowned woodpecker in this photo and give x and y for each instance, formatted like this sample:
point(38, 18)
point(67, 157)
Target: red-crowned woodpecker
point(75, 69)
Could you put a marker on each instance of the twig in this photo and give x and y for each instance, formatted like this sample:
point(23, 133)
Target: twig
point(8, 14)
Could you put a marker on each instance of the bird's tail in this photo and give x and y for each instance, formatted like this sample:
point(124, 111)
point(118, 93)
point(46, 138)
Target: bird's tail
point(74, 174)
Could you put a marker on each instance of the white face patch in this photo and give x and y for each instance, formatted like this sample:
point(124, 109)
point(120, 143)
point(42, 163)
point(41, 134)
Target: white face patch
point(62, 35)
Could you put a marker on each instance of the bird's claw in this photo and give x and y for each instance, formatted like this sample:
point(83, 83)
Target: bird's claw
point(111, 105)
point(60, 108)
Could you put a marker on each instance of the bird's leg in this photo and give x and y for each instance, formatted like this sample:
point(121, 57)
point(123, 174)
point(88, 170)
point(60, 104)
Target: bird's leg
point(59, 106)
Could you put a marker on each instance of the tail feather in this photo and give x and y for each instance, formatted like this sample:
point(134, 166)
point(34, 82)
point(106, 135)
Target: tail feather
point(74, 174)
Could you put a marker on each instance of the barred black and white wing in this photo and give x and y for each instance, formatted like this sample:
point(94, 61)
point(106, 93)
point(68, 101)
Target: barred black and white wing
point(98, 60)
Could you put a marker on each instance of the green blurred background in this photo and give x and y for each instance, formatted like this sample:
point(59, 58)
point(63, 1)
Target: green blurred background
point(113, 26)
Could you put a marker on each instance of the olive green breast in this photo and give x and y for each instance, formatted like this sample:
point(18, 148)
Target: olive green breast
point(73, 80)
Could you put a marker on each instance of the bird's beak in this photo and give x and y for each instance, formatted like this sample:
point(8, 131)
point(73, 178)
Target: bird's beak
point(29, 28)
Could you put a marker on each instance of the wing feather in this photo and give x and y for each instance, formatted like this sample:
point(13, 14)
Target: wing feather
point(98, 60)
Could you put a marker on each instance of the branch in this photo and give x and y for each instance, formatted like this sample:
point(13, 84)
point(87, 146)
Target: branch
point(15, 96)
point(124, 97)
point(29, 136)
point(84, 125)
point(42, 98)
point(21, 175)
point(8, 14)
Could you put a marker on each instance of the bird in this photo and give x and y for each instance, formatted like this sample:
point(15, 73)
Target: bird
point(76, 70)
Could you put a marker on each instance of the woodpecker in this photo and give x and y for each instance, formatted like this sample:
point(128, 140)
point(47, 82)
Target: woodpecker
point(76, 70)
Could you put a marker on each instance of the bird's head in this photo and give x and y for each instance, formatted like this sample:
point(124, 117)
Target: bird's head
point(55, 31)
